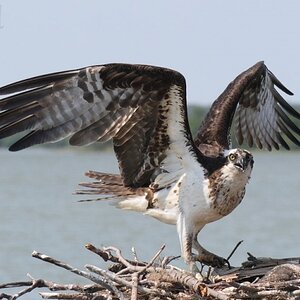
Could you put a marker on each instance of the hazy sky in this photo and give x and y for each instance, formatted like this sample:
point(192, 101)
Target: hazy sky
point(210, 42)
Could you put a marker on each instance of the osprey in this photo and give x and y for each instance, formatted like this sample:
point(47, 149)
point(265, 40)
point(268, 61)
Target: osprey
point(164, 171)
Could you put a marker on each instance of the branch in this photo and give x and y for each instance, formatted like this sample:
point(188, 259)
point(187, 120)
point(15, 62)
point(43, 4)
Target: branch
point(175, 276)
point(40, 283)
point(234, 249)
point(101, 281)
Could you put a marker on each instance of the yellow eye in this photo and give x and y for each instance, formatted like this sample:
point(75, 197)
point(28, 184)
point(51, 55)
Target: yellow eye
point(232, 157)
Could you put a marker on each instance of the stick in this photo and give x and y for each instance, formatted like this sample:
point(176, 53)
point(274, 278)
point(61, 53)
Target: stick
point(78, 296)
point(150, 263)
point(58, 263)
point(234, 249)
point(105, 255)
point(135, 257)
point(15, 284)
point(174, 276)
point(114, 277)
point(135, 284)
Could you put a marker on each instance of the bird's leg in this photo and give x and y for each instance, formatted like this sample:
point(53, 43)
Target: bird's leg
point(207, 257)
point(188, 256)
point(186, 242)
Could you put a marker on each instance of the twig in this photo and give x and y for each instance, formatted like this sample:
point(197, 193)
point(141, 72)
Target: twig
point(251, 257)
point(35, 284)
point(135, 283)
point(150, 263)
point(40, 283)
point(245, 288)
point(100, 281)
point(188, 280)
point(105, 255)
point(208, 274)
point(135, 257)
point(114, 288)
point(278, 284)
point(120, 257)
point(167, 259)
point(234, 249)
point(78, 296)
point(15, 284)
point(114, 277)
point(5, 296)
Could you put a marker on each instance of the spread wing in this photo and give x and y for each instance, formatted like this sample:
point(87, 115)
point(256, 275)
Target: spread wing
point(130, 104)
point(262, 116)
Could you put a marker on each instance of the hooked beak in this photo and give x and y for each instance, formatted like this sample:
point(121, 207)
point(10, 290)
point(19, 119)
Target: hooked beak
point(244, 161)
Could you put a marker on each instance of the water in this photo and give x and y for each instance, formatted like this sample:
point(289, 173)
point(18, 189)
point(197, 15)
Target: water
point(39, 212)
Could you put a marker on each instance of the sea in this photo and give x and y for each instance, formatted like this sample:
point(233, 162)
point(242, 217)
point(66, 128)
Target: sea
point(39, 212)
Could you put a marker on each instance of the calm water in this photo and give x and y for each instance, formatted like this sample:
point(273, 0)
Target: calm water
point(39, 212)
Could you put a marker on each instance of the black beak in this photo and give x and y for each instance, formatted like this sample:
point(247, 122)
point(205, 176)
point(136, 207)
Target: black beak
point(244, 161)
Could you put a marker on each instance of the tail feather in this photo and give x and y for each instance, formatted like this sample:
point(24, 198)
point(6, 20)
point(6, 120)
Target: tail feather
point(105, 177)
point(111, 187)
point(108, 184)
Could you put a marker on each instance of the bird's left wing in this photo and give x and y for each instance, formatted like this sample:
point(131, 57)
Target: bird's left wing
point(262, 116)
point(135, 105)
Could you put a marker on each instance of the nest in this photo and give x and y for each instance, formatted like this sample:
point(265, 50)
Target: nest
point(257, 278)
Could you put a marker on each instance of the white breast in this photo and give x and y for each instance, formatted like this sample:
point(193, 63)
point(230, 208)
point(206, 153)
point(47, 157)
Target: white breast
point(228, 190)
point(186, 195)
point(190, 193)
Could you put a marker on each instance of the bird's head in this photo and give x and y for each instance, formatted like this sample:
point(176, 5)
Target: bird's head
point(239, 159)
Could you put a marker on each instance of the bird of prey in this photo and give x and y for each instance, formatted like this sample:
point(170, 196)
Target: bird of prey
point(164, 172)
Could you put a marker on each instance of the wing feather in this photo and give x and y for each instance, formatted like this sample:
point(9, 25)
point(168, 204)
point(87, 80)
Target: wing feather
point(127, 103)
point(37, 81)
point(269, 130)
point(287, 132)
point(262, 116)
point(23, 123)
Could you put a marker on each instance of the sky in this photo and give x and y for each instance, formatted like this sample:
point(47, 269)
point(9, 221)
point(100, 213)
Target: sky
point(210, 42)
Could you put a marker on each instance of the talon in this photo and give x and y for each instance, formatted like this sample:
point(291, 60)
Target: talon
point(218, 261)
point(213, 260)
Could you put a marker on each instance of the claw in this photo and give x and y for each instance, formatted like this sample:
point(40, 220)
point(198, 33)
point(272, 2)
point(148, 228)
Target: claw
point(208, 259)
point(213, 260)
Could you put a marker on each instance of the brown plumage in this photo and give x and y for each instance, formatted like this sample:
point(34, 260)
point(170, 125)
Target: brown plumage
point(109, 184)
point(164, 172)
point(252, 90)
